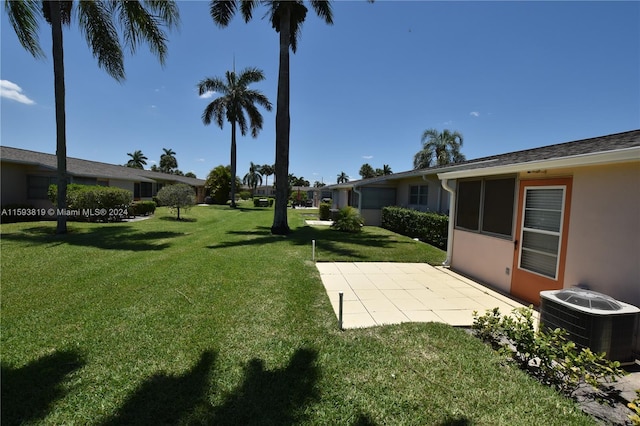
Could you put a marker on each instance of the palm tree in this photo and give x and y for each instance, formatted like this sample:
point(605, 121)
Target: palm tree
point(286, 18)
point(253, 178)
point(137, 161)
point(386, 170)
point(235, 99)
point(168, 160)
point(342, 178)
point(443, 147)
point(266, 170)
point(366, 171)
point(98, 21)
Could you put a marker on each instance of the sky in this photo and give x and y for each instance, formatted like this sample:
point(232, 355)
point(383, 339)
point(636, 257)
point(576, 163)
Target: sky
point(506, 75)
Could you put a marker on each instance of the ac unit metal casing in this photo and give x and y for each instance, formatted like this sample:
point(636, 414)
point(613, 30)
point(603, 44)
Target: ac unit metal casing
point(593, 320)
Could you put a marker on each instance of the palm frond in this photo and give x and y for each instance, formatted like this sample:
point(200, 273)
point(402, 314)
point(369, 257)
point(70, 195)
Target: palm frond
point(222, 11)
point(23, 16)
point(256, 96)
point(246, 8)
point(167, 11)
point(242, 121)
point(323, 10)
point(250, 75)
point(138, 24)
point(255, 118)
point(214, 110)
point(212, 85)
point(97, 25)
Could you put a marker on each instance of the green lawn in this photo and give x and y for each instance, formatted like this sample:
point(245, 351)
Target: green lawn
point(212, 320)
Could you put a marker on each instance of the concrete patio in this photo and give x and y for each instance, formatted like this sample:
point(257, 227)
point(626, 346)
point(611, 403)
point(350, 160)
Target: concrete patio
point(377, 293)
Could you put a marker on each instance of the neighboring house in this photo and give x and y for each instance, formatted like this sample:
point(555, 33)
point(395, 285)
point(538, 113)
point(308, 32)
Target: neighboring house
point(415, 189)
point(314, 194)
point(26, 176)
point(540, 219)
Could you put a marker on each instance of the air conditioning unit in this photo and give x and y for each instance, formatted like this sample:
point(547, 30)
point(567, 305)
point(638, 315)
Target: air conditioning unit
point(593, 320)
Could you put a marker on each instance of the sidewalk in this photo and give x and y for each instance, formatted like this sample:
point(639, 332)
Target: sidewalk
point(377, 293)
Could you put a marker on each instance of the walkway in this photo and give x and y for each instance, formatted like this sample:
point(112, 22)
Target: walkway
point(377, 293)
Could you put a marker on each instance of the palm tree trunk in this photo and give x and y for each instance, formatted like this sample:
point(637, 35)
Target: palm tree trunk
point(61, 133)
point(280, 225)
point(233, 164)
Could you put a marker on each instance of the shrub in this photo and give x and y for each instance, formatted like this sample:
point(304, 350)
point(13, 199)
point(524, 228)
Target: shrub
point(244, 195)
point(324, 211)
point(142, 208)
point(348, 220)
point(635, 407)
point(176, 197)
point(432, 228)
point(548, 356)
point(95, 202)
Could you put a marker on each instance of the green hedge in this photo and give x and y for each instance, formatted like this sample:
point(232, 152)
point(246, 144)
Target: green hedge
point(142, 208)
point(432, 228)
point(95, 202)
point(324, 211)
point(256, 201)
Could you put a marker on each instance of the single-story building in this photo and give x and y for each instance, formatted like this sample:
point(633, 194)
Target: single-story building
point(26, 176)
point(546, 218)
point(549, 218)
point(416, 189)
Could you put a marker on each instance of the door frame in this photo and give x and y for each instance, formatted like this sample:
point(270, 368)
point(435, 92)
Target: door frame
point(527, 285)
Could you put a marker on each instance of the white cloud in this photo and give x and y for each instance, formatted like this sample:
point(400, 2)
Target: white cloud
point(11, 90)
point(153, 161)
point(367, 157)
point(207, 95)
point(153, 106)
point(200, 160)
point(448, 123)
point(474, 113)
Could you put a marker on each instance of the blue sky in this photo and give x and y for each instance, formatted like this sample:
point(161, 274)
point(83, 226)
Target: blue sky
point(507, 75)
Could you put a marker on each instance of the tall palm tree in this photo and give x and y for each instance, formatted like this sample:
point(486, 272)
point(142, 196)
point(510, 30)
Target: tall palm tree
point(386, 170)
point(266, 170)
point(168, 161)
point(286, 18)
point(253, 178)
point(138, 160)
point(443, 146)
point(342, 178)
point(98, 21)
point(235, 99)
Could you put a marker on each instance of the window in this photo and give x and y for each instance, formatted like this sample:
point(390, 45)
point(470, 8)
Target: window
point(145, 189)
point(419, 195)
point(377, 198)
point(38, 187)
point(541, 229)
point(497, 209)
point(486, 206)
point(468, 211)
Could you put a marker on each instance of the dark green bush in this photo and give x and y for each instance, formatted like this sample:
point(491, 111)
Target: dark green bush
point(142, 208)
point(432, 228)
point(244, 195)
point(324, 211)
point(95, 202)
point(549, 356)
point(348, 220)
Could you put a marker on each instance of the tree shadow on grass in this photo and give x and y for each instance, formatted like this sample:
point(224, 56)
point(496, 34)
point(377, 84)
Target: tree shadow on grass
point(181, 220)
point(109, 237)
point(29, 392)
point(164, 399)
point(275, 397)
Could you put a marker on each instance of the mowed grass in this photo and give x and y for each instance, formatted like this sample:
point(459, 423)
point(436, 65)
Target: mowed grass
point(213, 320)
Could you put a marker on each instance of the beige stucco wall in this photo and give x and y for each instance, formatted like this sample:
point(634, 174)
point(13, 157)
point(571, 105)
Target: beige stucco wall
point(483, 258)
point(603, 250)
point(372, 217)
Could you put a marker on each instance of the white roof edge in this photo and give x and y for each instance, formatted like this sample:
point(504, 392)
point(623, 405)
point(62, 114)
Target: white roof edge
point(616, 156)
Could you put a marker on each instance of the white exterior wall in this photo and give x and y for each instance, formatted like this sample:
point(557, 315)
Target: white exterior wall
point(603, 249)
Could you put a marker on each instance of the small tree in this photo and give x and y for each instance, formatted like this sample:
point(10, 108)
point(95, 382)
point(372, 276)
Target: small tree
point(176, 197)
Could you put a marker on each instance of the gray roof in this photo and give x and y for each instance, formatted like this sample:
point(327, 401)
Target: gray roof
point(85, 168)
point(598, 145)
